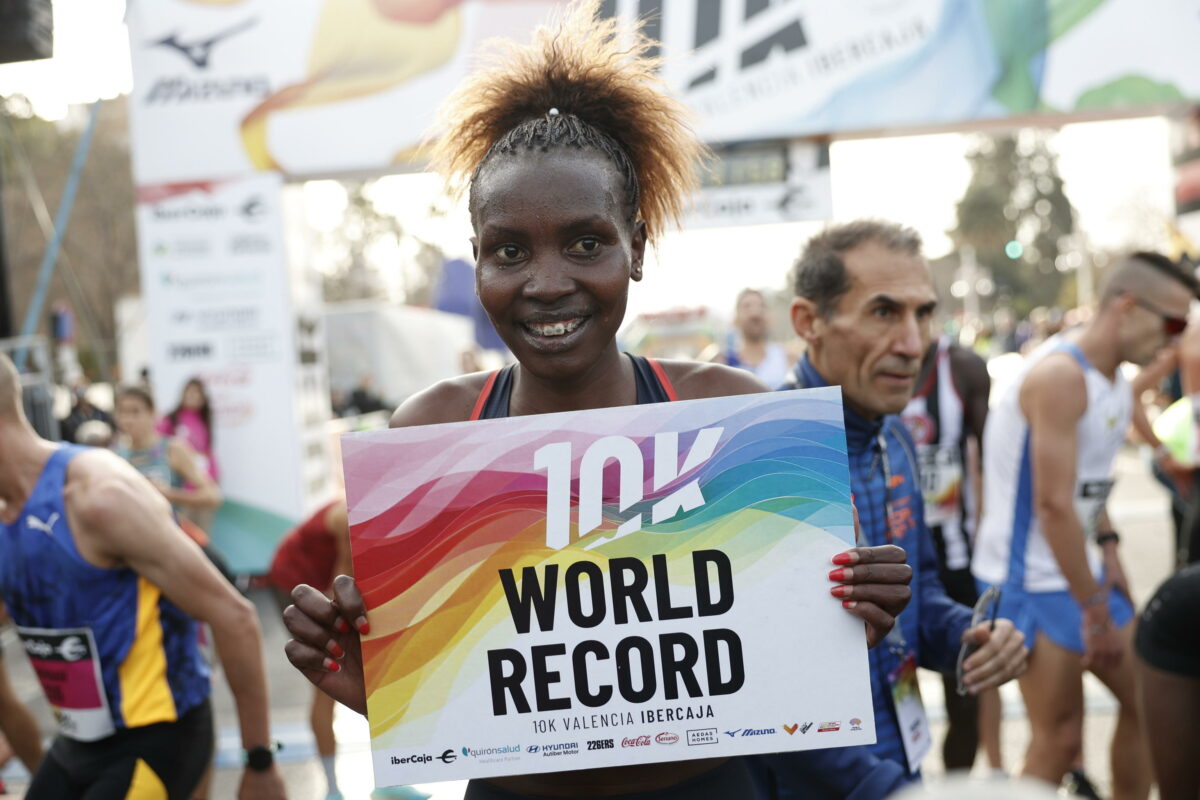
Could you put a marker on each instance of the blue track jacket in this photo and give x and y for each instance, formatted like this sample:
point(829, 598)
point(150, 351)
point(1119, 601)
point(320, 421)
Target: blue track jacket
point(880, 452)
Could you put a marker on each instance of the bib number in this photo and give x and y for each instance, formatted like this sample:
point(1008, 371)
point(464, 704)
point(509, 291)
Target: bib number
point(941, 483)
point(1089, 502)
point(67, 663)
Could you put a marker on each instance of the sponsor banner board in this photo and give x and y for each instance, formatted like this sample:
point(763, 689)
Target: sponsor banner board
point(325, 87)
point(603, 588)
point(219, 305)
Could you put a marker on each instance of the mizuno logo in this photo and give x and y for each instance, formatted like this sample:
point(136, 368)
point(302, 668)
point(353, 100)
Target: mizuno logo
point(46, 527)
point(199, 52)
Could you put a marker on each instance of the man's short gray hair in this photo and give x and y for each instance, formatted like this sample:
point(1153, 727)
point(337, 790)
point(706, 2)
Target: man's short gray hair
point(820, 273)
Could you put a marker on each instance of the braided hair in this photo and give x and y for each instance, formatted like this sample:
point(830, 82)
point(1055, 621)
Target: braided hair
point(583, 83)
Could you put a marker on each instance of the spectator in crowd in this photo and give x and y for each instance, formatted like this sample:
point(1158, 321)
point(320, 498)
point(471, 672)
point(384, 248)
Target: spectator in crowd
point(169, 463)
point(82, 411)
point(192, 421)
point(752, 348)
point(363, 398)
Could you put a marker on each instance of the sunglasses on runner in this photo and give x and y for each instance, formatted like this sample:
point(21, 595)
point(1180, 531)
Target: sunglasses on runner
point(1172, 325)
point(985, 608)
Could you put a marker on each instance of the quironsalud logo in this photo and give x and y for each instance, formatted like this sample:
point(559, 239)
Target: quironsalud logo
point(492, 753)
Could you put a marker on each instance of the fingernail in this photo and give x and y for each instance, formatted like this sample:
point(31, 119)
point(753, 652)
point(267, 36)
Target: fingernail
point(840, 591)
point(332, 665)
point(342, 625)
point(845, 558)
point(335, 649)
point(363, 626)
point(849, 603)
point(839, 574)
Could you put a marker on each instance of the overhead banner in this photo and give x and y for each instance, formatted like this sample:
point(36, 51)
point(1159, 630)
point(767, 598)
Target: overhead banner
point(604, 588)
point(220, 305)
point(327, 87)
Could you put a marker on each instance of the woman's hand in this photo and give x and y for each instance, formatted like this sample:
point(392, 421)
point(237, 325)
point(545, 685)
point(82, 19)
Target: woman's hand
point(325, 640)
point(872, 583)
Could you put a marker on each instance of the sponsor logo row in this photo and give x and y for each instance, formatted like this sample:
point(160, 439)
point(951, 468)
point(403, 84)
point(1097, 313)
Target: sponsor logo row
point(694, 737)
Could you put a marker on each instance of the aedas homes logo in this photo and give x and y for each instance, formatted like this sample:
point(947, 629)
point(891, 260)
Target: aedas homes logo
point(197, 49)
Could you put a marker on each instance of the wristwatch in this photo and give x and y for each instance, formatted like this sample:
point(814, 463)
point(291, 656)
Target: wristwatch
point(260, 757)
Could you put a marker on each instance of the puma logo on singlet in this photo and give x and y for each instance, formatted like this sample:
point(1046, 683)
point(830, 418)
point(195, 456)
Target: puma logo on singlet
point(46, 527)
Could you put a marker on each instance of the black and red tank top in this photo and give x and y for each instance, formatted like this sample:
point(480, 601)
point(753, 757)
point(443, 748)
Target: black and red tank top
point(653, 386)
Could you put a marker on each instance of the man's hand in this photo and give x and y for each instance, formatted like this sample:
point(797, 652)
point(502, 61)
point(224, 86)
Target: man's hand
point(873, 584)
point(264, 784)
point(325, 646)
point(1001, 656)
point(1103, 647)
point(1115, 571)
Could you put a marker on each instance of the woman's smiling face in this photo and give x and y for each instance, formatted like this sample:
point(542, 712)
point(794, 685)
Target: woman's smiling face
point(555, 252)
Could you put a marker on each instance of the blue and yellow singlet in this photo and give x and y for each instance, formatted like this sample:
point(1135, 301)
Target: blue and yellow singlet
point(110, 650)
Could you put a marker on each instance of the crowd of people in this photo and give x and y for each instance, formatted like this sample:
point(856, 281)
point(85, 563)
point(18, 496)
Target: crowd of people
point(985, 550)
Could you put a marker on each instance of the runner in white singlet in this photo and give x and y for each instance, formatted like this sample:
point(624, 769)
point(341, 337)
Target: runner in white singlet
point(1045, 537)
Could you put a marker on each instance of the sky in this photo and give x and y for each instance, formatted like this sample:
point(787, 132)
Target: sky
point(1117, 174)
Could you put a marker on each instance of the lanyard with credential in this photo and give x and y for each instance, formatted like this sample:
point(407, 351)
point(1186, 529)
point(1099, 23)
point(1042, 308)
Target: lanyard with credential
point(895, 639)
point(905, 690)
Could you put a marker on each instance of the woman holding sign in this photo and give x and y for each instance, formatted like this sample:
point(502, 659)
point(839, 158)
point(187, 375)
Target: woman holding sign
point(576, 157)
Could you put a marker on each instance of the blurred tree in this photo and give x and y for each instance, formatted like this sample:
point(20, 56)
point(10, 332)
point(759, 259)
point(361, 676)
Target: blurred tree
point(1018, 218)
point(366, 236)
point(98, 263)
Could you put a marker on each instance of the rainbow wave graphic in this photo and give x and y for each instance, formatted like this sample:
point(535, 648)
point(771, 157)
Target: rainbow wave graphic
point(437, 511)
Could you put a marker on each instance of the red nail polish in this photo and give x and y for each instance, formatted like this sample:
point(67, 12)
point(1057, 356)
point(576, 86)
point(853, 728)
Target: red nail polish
point(837, 574)
point(849, 603)
point(843, 558)
point(335, 649)
point(364, 627)
point(332, 665)
point(839, 591)
point(342, 625)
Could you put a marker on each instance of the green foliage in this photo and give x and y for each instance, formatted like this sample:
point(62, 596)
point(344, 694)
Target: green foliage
point(1130, 90)
point(1016, 194)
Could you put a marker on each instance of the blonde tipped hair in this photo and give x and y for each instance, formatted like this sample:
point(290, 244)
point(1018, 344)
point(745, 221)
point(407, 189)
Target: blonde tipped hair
point(601, 79)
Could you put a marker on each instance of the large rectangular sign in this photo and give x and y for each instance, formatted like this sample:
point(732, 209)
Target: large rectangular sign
point(321, 87)
point(221, 305)
point(604, 588)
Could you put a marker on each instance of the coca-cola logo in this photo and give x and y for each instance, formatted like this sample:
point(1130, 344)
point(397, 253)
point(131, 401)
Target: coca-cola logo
point(667, 738)
point(638, 741)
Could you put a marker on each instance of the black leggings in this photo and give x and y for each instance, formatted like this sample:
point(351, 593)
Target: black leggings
point(173, 756)
point(1168, 634)
point(730, 781)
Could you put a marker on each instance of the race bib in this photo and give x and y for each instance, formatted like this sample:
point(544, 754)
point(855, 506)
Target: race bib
point(1089, 502)
point(67, 663)
point(910, 711)
point(941, 482)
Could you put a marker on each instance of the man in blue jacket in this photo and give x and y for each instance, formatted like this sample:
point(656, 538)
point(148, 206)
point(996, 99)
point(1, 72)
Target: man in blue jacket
point(864, 303)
